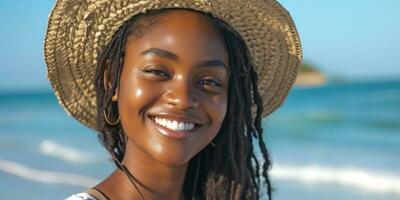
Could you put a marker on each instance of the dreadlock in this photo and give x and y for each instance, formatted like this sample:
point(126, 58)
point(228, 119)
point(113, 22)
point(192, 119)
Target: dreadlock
point(230, 170)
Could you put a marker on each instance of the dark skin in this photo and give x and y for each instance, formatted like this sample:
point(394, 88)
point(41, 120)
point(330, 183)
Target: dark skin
point(177, 71)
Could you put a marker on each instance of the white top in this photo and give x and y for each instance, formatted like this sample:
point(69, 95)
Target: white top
point(81, 196)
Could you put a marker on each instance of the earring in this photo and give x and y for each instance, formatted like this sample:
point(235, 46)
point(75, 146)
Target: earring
point(212, 144)
point(108, 121)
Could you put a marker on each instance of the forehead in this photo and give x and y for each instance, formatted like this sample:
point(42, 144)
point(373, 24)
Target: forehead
point(184, 32)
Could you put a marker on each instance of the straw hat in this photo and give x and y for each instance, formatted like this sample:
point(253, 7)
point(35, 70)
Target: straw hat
point(79, 29)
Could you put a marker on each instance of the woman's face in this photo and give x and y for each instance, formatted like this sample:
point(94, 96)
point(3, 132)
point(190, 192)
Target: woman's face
point(173, 88)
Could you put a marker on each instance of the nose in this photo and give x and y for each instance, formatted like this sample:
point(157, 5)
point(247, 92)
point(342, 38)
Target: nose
point(181, 95)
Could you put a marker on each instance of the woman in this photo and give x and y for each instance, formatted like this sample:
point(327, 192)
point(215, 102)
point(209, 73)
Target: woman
point(176, 91)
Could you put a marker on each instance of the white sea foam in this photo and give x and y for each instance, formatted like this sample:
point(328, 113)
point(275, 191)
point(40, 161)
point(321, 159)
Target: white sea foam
point(37, 175)
point(367, 180)
point(52, 148)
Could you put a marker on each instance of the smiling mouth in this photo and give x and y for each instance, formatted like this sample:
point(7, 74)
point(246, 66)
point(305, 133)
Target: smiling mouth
point(173, 128)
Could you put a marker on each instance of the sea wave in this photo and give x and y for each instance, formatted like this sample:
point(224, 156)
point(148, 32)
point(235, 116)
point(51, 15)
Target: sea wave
point(43, 176)
point(54, 149)
point(366, 180)
point(383, 96)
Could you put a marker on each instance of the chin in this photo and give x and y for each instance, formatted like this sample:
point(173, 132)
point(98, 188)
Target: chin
point(176, 156)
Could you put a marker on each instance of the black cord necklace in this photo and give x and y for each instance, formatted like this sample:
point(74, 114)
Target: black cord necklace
point(132, 179)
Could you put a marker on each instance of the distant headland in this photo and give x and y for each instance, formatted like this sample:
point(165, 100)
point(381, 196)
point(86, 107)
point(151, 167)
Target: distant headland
point(309, 76)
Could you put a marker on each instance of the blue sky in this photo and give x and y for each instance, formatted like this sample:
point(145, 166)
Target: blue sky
point(358, 39)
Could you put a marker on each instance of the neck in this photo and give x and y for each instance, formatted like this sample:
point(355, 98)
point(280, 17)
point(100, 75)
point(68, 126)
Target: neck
point(155, 180)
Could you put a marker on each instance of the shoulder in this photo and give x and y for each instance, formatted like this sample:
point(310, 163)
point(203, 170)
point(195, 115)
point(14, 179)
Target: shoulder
point(81, 196)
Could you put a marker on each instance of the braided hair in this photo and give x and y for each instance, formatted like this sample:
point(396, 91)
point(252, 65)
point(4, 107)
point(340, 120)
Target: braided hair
point(228, 170)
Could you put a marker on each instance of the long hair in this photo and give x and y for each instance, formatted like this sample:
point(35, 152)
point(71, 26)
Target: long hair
point(231, 169)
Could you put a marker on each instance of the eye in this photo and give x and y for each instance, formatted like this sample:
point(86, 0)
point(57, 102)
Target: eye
point(209, 82)
point(157, 72)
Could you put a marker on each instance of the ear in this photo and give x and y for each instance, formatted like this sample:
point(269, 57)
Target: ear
point(115, 97)
point(107, 85)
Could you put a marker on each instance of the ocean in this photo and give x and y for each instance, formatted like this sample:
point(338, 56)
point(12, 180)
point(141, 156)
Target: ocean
point(334, 142)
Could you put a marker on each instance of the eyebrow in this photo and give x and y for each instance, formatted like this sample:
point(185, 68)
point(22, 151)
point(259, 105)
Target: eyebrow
point(169, 55)
point(161, 53)
point(212, 63)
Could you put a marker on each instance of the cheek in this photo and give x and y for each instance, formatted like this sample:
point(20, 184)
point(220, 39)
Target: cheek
point(136, 94)
point(217, 109)
point(134, 97)
point(130, 98)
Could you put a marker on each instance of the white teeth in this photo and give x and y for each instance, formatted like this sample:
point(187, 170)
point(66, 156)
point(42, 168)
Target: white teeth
point(174, 125)
point(181, 126)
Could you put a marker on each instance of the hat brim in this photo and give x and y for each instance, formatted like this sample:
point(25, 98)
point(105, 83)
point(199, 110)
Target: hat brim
point(78, 30)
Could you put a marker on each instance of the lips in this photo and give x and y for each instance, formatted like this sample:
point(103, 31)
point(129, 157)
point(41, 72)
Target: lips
point(177, 127)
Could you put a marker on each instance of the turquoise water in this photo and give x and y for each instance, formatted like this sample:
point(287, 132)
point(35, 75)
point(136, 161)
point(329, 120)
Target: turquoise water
point(340, 141)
